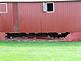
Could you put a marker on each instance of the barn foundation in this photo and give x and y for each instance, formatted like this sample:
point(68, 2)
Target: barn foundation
point(37, 36)
point(67, 36)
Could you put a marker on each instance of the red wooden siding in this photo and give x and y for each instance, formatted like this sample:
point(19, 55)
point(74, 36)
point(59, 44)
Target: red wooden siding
point(30, 18)
point(6, 20)
point(65, 18)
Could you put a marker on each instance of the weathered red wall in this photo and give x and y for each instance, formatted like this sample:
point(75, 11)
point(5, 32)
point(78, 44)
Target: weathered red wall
point(6, 20)
point(29, 17)
point(67, 17)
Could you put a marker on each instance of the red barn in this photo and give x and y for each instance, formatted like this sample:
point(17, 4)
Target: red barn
point(40, 19)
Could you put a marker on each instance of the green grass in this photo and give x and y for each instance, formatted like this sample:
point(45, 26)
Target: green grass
point(40, 51)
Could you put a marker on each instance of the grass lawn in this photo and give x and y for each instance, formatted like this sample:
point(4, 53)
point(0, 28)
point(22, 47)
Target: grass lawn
point(40, 51)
